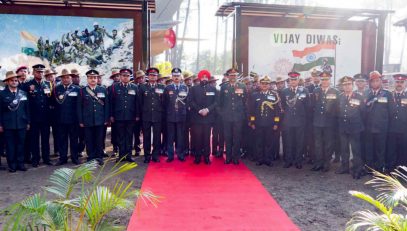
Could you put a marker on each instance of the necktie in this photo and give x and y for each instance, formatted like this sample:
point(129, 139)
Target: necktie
point(176, 87)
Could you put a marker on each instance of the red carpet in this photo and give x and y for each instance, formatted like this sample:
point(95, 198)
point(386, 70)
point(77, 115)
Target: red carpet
point(214, 197)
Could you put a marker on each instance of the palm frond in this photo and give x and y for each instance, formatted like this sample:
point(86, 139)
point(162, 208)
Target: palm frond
point(63, 180)
point(105, 226)
point(390, 187)
point(369, 221)
point(371, 201)
point(118, 169)
point(30, 210)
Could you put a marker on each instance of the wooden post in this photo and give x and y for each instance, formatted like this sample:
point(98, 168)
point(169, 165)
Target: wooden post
point(380, 43)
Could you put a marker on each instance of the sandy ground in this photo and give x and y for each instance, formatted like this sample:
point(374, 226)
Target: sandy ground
point(313, 200)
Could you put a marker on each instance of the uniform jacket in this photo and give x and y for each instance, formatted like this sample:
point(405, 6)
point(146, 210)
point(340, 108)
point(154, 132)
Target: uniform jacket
point(351, 113)
point(265, 108)
point(175, 102)
point(398, 113)
point(92, 111)
point(124, 101)
point(40, 100)
point(295, 106)
point(378, 111)
point(152, 102)
point(14, 110)
point(232, 102)
point(66, 99)
point(203, 96)
point(325, 107)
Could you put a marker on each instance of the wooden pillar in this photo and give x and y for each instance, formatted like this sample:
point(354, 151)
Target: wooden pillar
point(380, 42)
point(146, 36)
point(237, 35)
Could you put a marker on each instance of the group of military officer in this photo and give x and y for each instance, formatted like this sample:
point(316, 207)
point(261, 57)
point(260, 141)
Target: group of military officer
point(244, 117)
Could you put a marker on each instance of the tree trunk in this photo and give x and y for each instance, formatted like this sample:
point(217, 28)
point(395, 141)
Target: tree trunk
point(199, 37)
point(179, 55)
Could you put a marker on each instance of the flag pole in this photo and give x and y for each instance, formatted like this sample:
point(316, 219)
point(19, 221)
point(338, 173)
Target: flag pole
point(335, 68)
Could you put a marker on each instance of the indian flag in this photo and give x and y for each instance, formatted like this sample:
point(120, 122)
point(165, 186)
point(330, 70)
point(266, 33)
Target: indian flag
point(28, 43)
point(314, 56)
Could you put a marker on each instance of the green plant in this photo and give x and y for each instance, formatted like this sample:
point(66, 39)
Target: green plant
point(392, 195)
point(81, 201)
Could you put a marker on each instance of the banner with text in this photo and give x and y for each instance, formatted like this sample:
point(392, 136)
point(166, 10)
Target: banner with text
point(277, 51)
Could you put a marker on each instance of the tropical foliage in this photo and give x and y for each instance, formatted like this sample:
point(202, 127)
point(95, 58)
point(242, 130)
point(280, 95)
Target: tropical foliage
point(390, 204)
point(81, 201)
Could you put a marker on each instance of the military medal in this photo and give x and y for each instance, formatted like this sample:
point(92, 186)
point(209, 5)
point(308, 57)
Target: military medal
point(15, 101)
point(61, 97)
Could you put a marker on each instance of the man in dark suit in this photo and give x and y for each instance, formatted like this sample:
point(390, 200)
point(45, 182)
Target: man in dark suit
point(66, 97)
point(93, 115)
point(115, 76)
point(295, 102)
point(202, 102)
point(39, 94)
point(76, 79)
point(232, 105)
point(152, 109)
point(175, 98)
point(350, 120)
point(138, 80)
point(377, 122)
point(14, 121)
point(397, 147)
point(264, 119)
point(324, 103)
point(309, 149)
point(124, 112)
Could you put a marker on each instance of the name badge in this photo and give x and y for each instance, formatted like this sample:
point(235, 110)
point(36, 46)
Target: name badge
point(47, 91)
point(258, 99)
point(355, 102)
point(239, 91)
point(404, 101)
point(302, 95)
point(170, 92)
point(23, 98)
point(271, 97)
point(131, 92)
point(210, 93)
point(382, 99)
point(159, 91)
point(182, 94)
point(73, 94)
point(330, 96)
point(100, 95)
point(1, 88)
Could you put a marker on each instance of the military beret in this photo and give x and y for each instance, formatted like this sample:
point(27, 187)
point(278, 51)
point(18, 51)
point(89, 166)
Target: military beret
point(293, 74)
point(21, 68)
point(345, 80)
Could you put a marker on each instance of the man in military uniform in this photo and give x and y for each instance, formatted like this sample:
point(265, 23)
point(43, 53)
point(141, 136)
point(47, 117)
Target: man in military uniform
point(124, 112)
point(50, 76)
point(203, 108)
point(232, 104)
point(361, 84)
point(14, 121)
point(188, 76)
point(175, 96)
point(151, 95)
point(66, 97)
point(377, 120)
point(295, 102)
point(350, 118)
point(218, 138)
point(264, 119)
point(397, 147)
point(93, 115)
point(324, 102)
point(39, 94)
point(76, 80)
point(309, 146)
point(115, 77)
point(138, 80)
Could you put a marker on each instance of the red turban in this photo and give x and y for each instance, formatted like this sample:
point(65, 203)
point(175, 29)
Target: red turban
point(203, 73)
